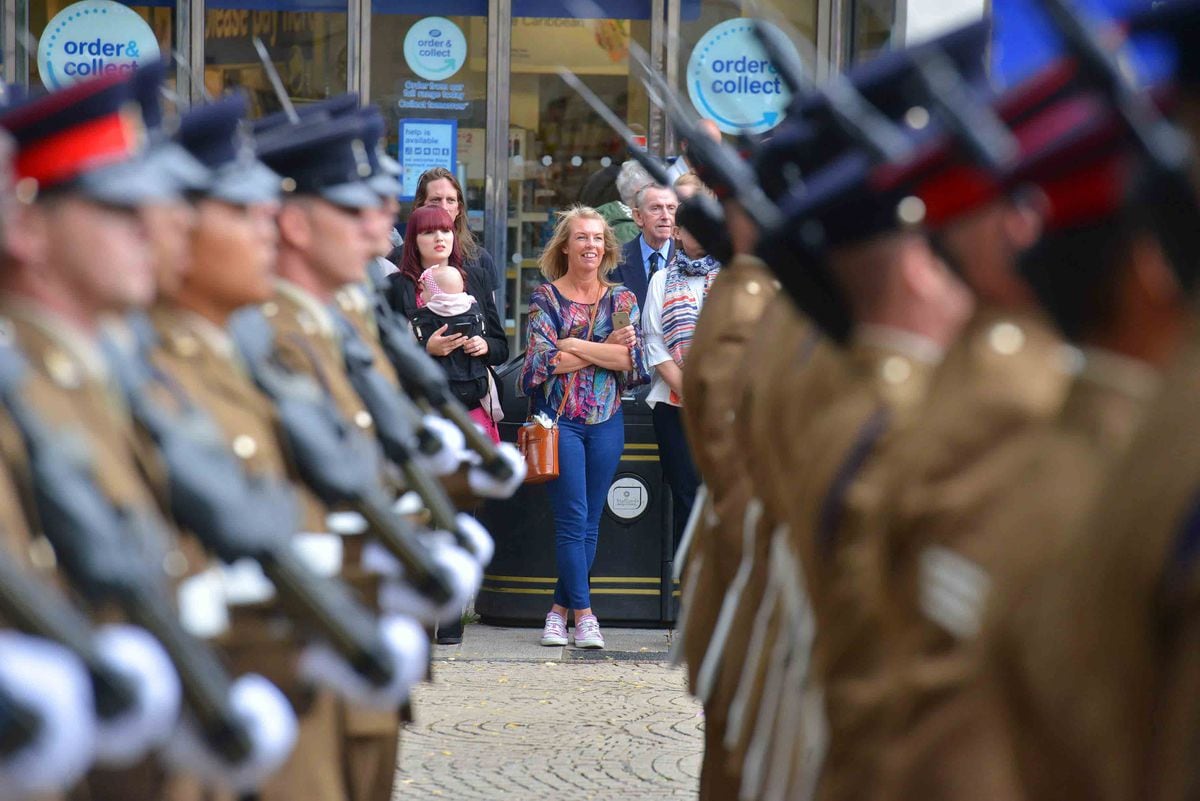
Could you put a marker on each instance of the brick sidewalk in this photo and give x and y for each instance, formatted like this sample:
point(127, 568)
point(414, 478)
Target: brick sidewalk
point(610, 730)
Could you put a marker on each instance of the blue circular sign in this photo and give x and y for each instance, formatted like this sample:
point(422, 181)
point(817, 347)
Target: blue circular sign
point(435, 48)
point(94, 37)
point(732, 82)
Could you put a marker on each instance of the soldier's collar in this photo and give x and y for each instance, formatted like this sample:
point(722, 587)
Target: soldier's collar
point(352, 299)
point(914, 346)
point(216, 338)
point(72, 341)
point(309, 303)
point(1125, 374)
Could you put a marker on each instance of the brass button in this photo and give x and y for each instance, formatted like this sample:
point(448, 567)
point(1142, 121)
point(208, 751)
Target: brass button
point(175, 563)
point(1006, 338)
point(270, 308)
point(185, 345)
point(362, 419)
point(62, 369)
point(753, 287)
point(244, 446)
point(895, 370)
point(345, 302)
point(41, 554)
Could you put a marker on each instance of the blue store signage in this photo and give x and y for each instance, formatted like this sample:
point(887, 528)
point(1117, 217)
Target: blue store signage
point(732, 82)
point(435, 48)
point(94, 37)
point(425, 144)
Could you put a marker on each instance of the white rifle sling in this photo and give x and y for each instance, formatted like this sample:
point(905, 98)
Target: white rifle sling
point(710, 666)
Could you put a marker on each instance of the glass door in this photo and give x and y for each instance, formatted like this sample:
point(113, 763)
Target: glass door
point(429, 74)
point(555, 141)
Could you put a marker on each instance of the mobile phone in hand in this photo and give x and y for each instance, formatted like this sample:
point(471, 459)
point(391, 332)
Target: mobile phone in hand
point(620, 319)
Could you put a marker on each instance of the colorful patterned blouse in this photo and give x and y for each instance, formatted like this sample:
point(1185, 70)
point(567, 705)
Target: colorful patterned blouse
point(596, 392)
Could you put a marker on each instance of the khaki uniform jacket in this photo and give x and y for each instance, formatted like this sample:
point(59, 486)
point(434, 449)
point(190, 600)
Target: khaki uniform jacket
point(68, 386)
point(202, 359)
point(713, 385)
point(1068, 463)
point(833, 519)
point(957, 469)
point(798, 374)
point(1109, 639)
point(306, 341)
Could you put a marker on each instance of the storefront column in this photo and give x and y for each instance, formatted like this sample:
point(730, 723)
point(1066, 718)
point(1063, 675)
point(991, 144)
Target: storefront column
point(358, 48)
point(496, 154)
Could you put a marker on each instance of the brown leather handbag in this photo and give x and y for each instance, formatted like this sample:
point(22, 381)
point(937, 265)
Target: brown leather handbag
point(539, 444)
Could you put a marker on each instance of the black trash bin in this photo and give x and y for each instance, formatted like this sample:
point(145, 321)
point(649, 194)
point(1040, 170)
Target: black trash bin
point(632, 575)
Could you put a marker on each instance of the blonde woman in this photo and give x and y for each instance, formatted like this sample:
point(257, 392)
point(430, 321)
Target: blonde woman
point(583, 374)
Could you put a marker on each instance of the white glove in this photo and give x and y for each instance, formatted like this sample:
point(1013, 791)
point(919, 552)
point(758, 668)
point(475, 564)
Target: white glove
point(485, 485)
point(446, 460)
point(466, 576)
point(481, 543)
point(54, 684)
point(409, 647)
point(135, 655)
point(271, 724)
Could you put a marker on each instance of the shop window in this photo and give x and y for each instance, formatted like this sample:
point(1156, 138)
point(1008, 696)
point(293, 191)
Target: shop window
point(307, 41)
point(556, 142)
point(429, 63)
point(870, 28)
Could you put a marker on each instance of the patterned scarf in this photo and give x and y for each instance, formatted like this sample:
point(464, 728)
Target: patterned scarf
point(680, 307)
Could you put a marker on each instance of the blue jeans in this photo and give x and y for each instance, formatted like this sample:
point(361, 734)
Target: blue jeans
point(588, 456)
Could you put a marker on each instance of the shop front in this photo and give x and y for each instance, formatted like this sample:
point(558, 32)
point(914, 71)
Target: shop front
point(471, 85)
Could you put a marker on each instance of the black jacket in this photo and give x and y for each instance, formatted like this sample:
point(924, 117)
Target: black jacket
point(481, 282)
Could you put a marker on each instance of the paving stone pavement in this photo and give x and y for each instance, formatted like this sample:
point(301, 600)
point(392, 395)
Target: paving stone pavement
point(615, 727)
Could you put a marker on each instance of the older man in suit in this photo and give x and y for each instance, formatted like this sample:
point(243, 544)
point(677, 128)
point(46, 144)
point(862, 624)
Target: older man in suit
point(654, 247)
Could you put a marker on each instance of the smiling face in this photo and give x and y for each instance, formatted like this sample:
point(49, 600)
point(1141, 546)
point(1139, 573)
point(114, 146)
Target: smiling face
point(585, 246)
point(435, 246)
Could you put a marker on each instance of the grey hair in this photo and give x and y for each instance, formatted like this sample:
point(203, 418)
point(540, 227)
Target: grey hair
point(631, 180)
point(641, 193)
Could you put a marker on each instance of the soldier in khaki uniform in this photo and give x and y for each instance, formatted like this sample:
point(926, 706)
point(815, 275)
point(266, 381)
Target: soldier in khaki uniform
point(1110, 288)
point(1097, 651)
point(324, 244)
point(77, 202)
point(232, 248)
point(712, 386)
point(1007, 373)
point(904, 309)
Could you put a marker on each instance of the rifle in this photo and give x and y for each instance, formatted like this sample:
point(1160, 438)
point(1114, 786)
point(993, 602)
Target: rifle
point(30, 606)
point(339, 464)
point(700, 214)
point(236, 516)
point(103, 550)
point(397, 435)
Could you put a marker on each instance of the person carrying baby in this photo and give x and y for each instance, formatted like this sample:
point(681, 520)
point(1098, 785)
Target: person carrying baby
point(448, 316)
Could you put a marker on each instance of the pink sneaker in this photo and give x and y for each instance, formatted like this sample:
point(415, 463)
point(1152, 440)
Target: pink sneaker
point(587, 633)
point(555, 630)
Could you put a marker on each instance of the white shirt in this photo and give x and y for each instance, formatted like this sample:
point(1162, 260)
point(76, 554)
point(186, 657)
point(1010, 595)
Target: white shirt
point(652, 331)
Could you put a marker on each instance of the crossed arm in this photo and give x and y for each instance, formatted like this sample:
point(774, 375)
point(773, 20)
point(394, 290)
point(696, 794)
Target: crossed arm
point(576, 354)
